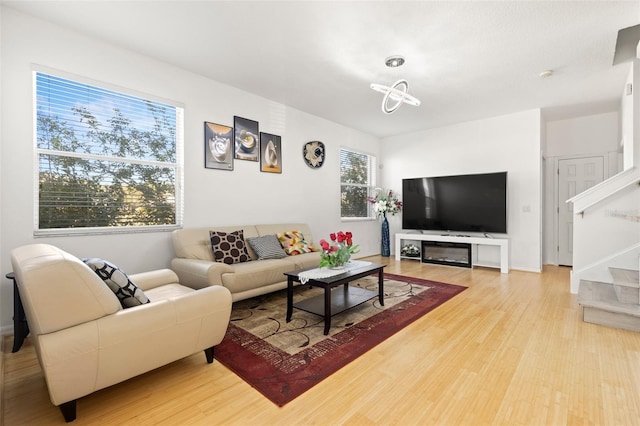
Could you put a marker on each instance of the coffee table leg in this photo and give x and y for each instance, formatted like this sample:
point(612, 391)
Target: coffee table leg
point(289, 298)
point(380, 287)
point(327, 310)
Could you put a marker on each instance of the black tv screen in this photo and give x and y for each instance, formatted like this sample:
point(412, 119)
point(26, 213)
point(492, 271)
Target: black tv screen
point(463, 203)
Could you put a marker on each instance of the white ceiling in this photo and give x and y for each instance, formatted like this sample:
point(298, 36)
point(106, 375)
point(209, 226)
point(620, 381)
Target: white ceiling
point(464, 60)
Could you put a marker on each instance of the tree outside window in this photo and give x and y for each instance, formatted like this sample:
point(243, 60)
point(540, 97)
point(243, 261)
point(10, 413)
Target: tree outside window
point(106, 159)
point(357, 178)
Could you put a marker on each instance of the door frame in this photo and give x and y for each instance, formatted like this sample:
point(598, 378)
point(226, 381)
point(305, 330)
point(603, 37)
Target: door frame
point(556, 190)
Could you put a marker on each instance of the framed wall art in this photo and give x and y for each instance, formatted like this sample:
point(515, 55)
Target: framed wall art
point(270, 153)
point(218, 146)
point(246, 139)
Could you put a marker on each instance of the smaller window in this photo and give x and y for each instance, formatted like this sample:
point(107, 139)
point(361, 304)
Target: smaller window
point(357, 178)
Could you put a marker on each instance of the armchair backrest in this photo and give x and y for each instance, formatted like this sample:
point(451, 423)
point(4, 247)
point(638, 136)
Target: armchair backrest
point(58, 290)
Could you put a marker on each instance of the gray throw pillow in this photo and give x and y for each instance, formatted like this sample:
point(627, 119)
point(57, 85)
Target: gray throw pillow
point(267, 247)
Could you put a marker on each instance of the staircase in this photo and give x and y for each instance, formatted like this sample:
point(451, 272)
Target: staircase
point(615, 304)
point(606, 251)
point(606, 230)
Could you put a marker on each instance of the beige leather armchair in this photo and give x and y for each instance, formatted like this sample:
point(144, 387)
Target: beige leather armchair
point(86, 341)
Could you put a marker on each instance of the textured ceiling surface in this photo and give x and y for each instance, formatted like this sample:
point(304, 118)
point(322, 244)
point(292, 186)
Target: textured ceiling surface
point(464, 60)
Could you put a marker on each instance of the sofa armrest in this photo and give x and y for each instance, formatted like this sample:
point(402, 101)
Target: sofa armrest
point(153, 279)
point(197, 274)
point(91, 356)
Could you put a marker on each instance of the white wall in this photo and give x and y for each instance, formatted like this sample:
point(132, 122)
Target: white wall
point(212, 197)
point(628, 131)
point(509, 143)
point(592, 135)
point(1, 179)
point(635, 108)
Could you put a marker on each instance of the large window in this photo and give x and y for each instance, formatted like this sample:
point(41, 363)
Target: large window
point(107, 161)
point(357, 178)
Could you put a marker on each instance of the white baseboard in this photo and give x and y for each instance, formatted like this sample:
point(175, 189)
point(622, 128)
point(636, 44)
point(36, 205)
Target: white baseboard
point(518, 268)
point(6, 330)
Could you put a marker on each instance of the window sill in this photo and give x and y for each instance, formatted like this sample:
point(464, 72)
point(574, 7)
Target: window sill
point(357, 219)
point(71, 232)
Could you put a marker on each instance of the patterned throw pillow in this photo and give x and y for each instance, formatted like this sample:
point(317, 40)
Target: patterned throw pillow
point(229, 247)
point(267, 247)
point(294, 243)
point(128, 293)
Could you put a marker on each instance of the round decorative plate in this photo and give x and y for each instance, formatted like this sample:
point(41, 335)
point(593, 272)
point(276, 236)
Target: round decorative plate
point(313, 154)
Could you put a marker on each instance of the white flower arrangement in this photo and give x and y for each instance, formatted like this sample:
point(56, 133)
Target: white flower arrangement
point(385, 202)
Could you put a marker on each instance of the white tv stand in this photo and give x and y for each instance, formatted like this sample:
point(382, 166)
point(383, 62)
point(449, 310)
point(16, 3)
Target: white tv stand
point(503, 243)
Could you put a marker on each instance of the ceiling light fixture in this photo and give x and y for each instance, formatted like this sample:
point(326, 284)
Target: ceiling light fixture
point(398, 93)
point(394, 61)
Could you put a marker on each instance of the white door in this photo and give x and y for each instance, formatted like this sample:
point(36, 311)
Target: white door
point(574, 176)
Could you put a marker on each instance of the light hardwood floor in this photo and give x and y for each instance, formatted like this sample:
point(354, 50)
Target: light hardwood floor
point(510, 350)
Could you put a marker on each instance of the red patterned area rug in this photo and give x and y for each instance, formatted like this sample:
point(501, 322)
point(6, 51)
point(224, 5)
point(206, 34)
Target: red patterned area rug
point(283, 360)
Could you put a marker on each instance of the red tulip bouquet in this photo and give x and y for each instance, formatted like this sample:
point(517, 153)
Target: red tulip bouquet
point(336, 254)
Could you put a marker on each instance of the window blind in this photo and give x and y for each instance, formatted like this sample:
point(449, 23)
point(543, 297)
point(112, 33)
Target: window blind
point(105, 159)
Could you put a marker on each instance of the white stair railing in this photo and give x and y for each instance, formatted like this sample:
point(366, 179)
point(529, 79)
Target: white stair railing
point(604, 190)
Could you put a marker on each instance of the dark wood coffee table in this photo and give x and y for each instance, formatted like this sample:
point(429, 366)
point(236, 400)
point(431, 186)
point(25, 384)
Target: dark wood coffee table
point(333, 302)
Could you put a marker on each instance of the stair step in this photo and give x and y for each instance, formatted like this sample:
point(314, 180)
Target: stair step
point(626, 284)
point(625, 277)
point(627, 294)
point(600, 305)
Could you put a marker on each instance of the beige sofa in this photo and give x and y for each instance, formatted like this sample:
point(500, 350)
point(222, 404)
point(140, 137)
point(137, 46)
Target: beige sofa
point(86, 341)
point(194, 262)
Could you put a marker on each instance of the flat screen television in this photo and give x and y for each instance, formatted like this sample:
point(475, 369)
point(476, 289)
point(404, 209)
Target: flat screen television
point(462, 203)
